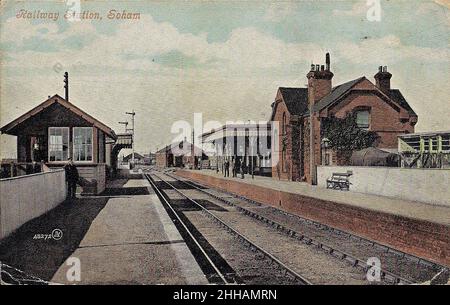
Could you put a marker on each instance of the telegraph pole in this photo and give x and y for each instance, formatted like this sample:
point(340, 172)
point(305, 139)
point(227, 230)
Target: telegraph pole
point(193, 151)
point(132, 113)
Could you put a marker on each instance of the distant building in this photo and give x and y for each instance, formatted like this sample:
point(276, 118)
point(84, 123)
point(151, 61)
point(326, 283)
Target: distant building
point(425, 149)
point(149, 159)
point(378, 108)
point(180, 154)
point(138, 158)
point(57, 130)
point(250, 143)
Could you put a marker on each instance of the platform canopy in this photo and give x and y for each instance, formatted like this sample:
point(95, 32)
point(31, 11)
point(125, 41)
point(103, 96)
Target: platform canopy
point(239, 130)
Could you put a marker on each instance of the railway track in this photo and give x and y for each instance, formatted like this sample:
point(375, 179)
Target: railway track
point(308, 261)
point(215, 267)
point(400, 267)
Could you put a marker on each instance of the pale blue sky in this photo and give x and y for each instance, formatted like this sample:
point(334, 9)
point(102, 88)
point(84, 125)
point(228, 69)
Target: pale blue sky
point(225, 59)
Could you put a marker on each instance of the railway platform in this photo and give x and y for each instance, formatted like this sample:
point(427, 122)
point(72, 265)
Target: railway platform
point(133, 241)
point(122, 236)
point(405, 208)
point(417, 228)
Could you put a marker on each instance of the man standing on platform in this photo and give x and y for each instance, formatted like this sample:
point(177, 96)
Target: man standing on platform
point(71, 178)
point(233, 166)
point(227, 168)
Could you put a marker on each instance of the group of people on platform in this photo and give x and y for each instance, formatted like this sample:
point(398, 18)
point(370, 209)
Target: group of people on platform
point(236, 166)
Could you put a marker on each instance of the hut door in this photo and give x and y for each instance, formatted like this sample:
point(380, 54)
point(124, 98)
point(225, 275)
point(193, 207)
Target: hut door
point(38, 148)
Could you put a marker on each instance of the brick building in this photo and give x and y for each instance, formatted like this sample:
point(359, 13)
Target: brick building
point(180, 154)
point(378, 108)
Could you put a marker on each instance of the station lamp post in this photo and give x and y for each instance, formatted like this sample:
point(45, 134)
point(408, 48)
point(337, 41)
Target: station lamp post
point(325, 145)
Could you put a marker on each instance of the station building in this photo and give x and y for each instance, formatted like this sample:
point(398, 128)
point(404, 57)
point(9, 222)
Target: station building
point(378, 108)
point(180, 154)
point(138, 158)
point(56, 130)
point(250, 143)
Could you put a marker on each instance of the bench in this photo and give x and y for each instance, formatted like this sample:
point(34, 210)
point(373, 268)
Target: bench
point(339, 181)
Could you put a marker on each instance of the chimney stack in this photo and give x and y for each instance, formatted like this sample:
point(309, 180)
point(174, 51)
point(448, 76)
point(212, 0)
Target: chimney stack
point(383, 80)
point(66, 85)
point(319, 81)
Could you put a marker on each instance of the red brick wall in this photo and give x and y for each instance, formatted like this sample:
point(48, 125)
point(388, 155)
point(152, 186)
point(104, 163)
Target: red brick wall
point(291, 170)
point(161, 160)
point(421, 238)
point(278, 170)
point(384, 119)
point(321, 82)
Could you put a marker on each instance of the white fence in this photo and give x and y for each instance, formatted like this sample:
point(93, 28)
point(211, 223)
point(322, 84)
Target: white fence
point(424, 185)
point(26, 197)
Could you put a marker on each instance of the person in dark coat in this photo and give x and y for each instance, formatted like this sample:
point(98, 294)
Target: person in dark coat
point(227, 168)
point(233, 167)
point(71, 178)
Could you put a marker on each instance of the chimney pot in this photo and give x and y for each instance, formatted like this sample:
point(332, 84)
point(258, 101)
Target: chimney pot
point(385, 69)
point(317, 67)
point(322, 67)
point(327, 61)
point(312, 67)
point(66, 85)
point(380, 69)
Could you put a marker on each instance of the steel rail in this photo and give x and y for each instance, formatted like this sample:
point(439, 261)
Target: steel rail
point(213, 265)
point(355, 261)
point(240, 236)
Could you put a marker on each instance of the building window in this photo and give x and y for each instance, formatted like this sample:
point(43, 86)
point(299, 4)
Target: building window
point(362, 118)
point(58, 143)
point(82, 143)
point(284, 124)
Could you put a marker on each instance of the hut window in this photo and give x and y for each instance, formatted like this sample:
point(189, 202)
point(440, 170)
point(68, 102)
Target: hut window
point(362, 118)
point(58, 143)
point(82, 143)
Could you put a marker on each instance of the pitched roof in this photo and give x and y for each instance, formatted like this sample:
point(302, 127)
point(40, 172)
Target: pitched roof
point(296, 100)
point(335, 93)
point(180, 144)
point(58, 99)
point(136, 156)
point(397, 96)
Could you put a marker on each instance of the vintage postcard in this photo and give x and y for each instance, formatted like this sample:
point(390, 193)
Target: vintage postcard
point(196, 144)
